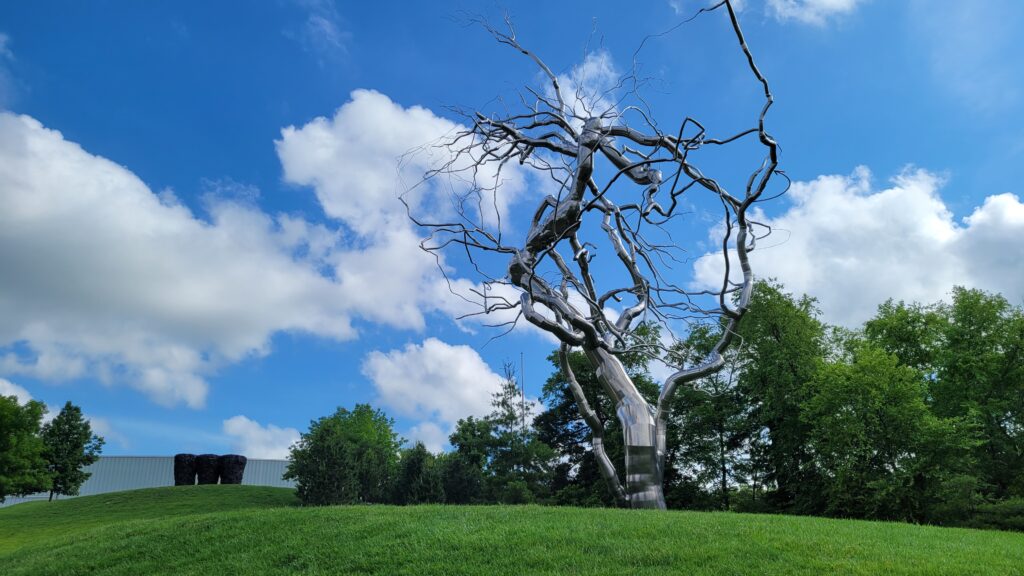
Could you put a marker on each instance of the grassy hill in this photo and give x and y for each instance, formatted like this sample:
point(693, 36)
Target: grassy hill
point(32, 522)
point(248, 530)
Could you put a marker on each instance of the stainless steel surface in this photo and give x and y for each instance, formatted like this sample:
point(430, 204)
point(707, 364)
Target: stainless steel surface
point(618, 176)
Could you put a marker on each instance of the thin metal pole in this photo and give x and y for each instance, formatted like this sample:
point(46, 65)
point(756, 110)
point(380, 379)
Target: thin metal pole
point(522, 388)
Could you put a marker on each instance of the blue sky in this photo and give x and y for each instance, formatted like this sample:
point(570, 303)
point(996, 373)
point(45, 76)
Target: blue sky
point(199, 238)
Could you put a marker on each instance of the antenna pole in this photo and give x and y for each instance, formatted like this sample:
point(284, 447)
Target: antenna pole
point(522, 387)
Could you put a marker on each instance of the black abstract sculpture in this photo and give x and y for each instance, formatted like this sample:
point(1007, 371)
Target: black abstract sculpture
point(207, 468)
point(232, 467)
point(184, 469)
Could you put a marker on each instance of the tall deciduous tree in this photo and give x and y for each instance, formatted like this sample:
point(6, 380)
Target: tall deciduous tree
point(911, 332)
point(981, 376)
point(972, 352)
point(22, 463)
point(70, 446)
point(465, 468)
point(622, 185)
point(783, 345)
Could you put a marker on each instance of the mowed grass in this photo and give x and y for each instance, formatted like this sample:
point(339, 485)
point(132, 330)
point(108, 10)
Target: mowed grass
point(265, 534)
point(41, 521)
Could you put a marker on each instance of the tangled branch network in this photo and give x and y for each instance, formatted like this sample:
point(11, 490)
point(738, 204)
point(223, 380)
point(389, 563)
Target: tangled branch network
point(618, 187)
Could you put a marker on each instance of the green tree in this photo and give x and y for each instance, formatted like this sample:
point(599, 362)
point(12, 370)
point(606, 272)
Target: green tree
point(70, 446)
point(880, 451)
point(419, 479)
point(22, 462)
point(911, 332)
point(980, 375)
point(464, 469)
point(781, 344)
point(710, 429)
point(348, 457)
point(519, 461)
point(500, 457)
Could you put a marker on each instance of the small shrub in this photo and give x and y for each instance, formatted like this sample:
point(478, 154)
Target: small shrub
point(1003, 515)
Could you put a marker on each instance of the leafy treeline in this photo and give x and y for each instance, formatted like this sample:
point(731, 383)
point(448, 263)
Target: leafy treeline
point(355, 456)
point(917, 416)
point(37, 457)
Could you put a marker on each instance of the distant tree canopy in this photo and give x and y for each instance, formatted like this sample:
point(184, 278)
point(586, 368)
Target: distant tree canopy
point(70, 446)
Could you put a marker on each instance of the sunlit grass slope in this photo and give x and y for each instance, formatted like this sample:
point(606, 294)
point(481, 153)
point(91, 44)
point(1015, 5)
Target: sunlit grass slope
point(245, 530)
point(41, 521)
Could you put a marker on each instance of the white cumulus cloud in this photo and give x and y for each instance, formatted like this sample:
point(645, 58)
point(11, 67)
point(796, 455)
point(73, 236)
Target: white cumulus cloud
point(853, 245)
point(253, 440)
point(8, 388)
point(352, 159)
point(433, 380)
point(358, 163)
point(436, 384)
point(814, 12)
point(104, 278)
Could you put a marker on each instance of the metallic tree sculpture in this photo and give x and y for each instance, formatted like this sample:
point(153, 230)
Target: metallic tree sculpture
point(593, 157)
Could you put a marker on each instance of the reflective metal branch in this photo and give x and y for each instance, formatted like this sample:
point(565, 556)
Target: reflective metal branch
point(553, 263)
point(596, 428)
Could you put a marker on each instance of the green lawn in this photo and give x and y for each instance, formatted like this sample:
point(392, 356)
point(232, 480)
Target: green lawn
point(246, 530)
point(43, 521)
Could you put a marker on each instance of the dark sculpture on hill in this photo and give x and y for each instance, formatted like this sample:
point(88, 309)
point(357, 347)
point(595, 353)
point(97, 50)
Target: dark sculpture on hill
point(184, 469)
point(208, 469)
point(232, 467)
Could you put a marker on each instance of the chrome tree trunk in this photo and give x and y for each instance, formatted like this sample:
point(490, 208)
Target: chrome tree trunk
point(643, 465)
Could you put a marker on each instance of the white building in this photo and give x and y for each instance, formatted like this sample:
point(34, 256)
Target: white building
point(117, 473)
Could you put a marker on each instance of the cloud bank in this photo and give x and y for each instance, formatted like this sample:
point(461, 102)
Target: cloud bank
point(853, 245)
point(103, 278)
